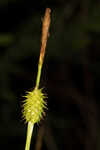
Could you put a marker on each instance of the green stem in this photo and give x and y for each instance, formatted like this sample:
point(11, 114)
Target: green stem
point(29, 135)
point(38, 75)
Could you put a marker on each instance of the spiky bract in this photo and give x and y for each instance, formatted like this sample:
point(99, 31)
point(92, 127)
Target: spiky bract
point(33, 107)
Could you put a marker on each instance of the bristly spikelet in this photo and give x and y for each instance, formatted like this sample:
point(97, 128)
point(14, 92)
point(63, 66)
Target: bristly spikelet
point(34, 105)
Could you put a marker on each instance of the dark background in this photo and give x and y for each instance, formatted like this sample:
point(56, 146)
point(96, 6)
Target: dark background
point(70, 75)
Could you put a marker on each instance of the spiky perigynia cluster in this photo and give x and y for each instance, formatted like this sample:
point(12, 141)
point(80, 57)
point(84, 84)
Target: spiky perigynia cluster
point(34, 105)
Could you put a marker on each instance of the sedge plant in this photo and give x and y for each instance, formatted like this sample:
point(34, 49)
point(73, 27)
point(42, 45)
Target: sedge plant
point(34, 104)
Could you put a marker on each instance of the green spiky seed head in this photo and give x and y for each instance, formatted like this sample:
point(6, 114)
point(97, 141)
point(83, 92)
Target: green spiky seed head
point(34, 105)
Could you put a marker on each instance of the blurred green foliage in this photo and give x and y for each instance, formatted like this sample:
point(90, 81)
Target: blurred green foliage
point(6, 40)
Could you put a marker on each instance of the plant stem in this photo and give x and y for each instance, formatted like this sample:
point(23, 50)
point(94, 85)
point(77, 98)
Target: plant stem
point(38, 75)
point(29, 135)
point(45, 32)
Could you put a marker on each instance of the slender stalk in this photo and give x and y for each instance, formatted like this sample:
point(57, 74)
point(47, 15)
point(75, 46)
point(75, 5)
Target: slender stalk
point(29, 135)
point(38, 75)
point(45, 33)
